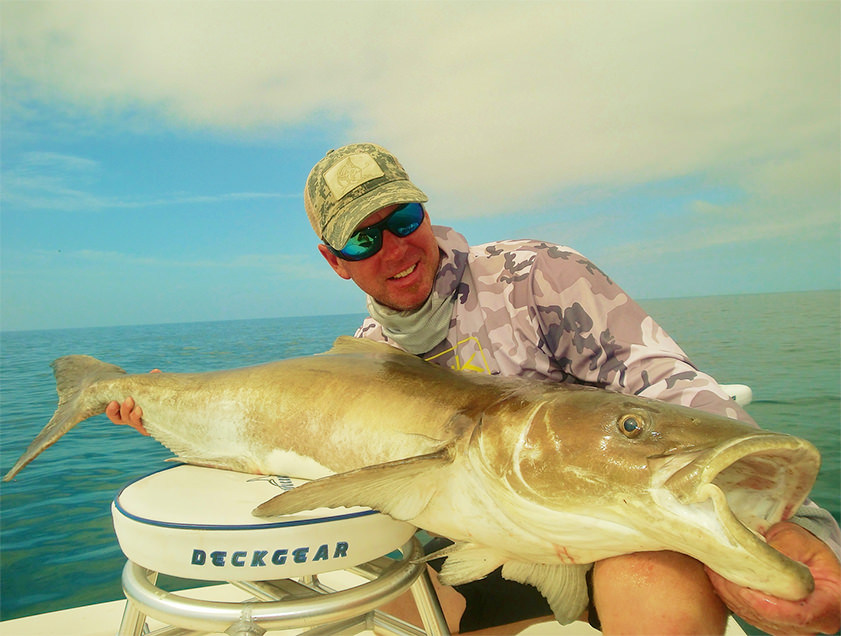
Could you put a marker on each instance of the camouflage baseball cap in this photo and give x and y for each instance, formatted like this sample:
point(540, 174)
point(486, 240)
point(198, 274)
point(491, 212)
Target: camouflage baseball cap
point(351, 183)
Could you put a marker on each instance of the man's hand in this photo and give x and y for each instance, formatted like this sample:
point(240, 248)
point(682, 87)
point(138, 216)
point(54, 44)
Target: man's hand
point(126, 414)
point(818, 613)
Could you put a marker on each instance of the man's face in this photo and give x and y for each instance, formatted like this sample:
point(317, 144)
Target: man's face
point(401, 274)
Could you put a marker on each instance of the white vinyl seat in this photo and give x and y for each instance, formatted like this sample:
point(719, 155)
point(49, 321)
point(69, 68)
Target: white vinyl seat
point(196, 523)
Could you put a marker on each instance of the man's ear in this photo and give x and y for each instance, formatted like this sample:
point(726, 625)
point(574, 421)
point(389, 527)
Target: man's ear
point(334, 261)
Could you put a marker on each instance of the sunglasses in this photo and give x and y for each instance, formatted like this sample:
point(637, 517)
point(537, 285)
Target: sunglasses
point(368, 241)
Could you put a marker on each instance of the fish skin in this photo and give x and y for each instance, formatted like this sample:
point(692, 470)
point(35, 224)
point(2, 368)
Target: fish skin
point(540, 478)
point(239, 419)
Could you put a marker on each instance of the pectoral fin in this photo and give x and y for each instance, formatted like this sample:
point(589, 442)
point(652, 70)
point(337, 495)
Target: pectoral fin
point(564, 586)
point(401, 489)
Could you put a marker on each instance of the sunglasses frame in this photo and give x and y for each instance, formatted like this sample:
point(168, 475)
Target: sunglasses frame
point(380, 226)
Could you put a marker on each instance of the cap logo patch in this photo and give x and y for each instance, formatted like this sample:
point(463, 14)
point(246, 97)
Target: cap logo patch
point(350, 172)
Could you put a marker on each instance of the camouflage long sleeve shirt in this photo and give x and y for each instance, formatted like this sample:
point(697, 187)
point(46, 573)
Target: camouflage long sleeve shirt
point(534, 309)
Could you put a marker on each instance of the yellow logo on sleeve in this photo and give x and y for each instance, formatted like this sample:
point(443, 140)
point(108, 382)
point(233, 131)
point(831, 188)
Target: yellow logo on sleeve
point(467, 356)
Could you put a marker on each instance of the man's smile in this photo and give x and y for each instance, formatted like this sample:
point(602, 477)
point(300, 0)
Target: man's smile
point(405, 272)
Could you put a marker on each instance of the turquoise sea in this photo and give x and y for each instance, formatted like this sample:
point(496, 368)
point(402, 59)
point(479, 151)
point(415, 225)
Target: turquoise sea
point(57, 546)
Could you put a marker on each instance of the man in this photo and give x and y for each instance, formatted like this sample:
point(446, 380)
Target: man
point(533, 309)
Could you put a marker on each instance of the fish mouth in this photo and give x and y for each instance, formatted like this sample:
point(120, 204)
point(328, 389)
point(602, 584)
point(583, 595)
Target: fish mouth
point(751, 482)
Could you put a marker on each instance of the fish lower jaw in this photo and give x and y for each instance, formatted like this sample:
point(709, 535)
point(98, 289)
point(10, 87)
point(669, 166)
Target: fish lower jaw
point(708, 530)
point(773, 572)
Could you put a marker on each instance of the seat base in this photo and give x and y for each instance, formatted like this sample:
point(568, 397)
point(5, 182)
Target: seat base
point(289, 604)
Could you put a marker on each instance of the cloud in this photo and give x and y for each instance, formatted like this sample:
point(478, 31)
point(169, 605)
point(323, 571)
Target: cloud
point(55, 181)
point(739, 225)
point(58, 162)
point(795, 195)
point(493, 106)
point(278, 265)
point(43, 179)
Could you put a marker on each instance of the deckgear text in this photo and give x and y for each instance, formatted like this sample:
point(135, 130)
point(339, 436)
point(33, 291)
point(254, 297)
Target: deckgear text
point(258, 558)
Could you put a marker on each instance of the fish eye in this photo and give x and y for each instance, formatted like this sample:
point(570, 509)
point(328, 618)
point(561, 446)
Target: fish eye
point(630, 426)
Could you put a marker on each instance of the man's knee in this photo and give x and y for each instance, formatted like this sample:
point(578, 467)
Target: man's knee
point(656, 592)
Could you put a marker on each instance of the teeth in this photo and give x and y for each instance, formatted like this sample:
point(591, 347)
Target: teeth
point(405, 272)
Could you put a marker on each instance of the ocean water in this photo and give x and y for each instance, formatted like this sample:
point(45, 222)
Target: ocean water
point(57, 545)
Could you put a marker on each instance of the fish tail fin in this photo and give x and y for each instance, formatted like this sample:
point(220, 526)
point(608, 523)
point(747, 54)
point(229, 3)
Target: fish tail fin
point(73, 374)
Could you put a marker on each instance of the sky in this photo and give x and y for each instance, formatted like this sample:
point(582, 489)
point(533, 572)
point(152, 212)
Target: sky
point(153, 154)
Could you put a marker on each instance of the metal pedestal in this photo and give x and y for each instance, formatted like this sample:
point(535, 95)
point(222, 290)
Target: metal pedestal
point(305, 605)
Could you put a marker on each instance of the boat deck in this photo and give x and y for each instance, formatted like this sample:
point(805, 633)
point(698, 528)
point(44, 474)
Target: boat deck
point(103, 619)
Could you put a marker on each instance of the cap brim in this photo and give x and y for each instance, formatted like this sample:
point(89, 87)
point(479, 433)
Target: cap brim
point(339, 229)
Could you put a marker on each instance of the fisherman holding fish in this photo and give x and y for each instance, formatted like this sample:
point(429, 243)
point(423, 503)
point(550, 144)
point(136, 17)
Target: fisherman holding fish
point(538, 310)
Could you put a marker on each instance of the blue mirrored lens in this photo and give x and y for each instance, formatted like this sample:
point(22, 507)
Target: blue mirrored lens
point(362, 245)
point(405, 219)
point(368, 241)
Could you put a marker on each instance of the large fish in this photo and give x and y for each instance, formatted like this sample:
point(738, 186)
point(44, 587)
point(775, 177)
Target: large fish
point(540, 478)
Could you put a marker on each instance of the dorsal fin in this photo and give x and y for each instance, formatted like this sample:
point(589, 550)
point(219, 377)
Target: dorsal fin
point(348, 344)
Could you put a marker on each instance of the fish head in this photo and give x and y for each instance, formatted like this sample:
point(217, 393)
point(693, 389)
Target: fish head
point(678, 478)
point(576, 443)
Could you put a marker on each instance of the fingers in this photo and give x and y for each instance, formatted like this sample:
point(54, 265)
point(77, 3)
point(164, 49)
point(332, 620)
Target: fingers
point(135, 415)
point(127, 414)
point(771, 615)
point(112, 411)
point(817, 613)
point(126, 409)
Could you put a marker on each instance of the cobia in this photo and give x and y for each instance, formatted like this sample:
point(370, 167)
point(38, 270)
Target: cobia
point(539, 478)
